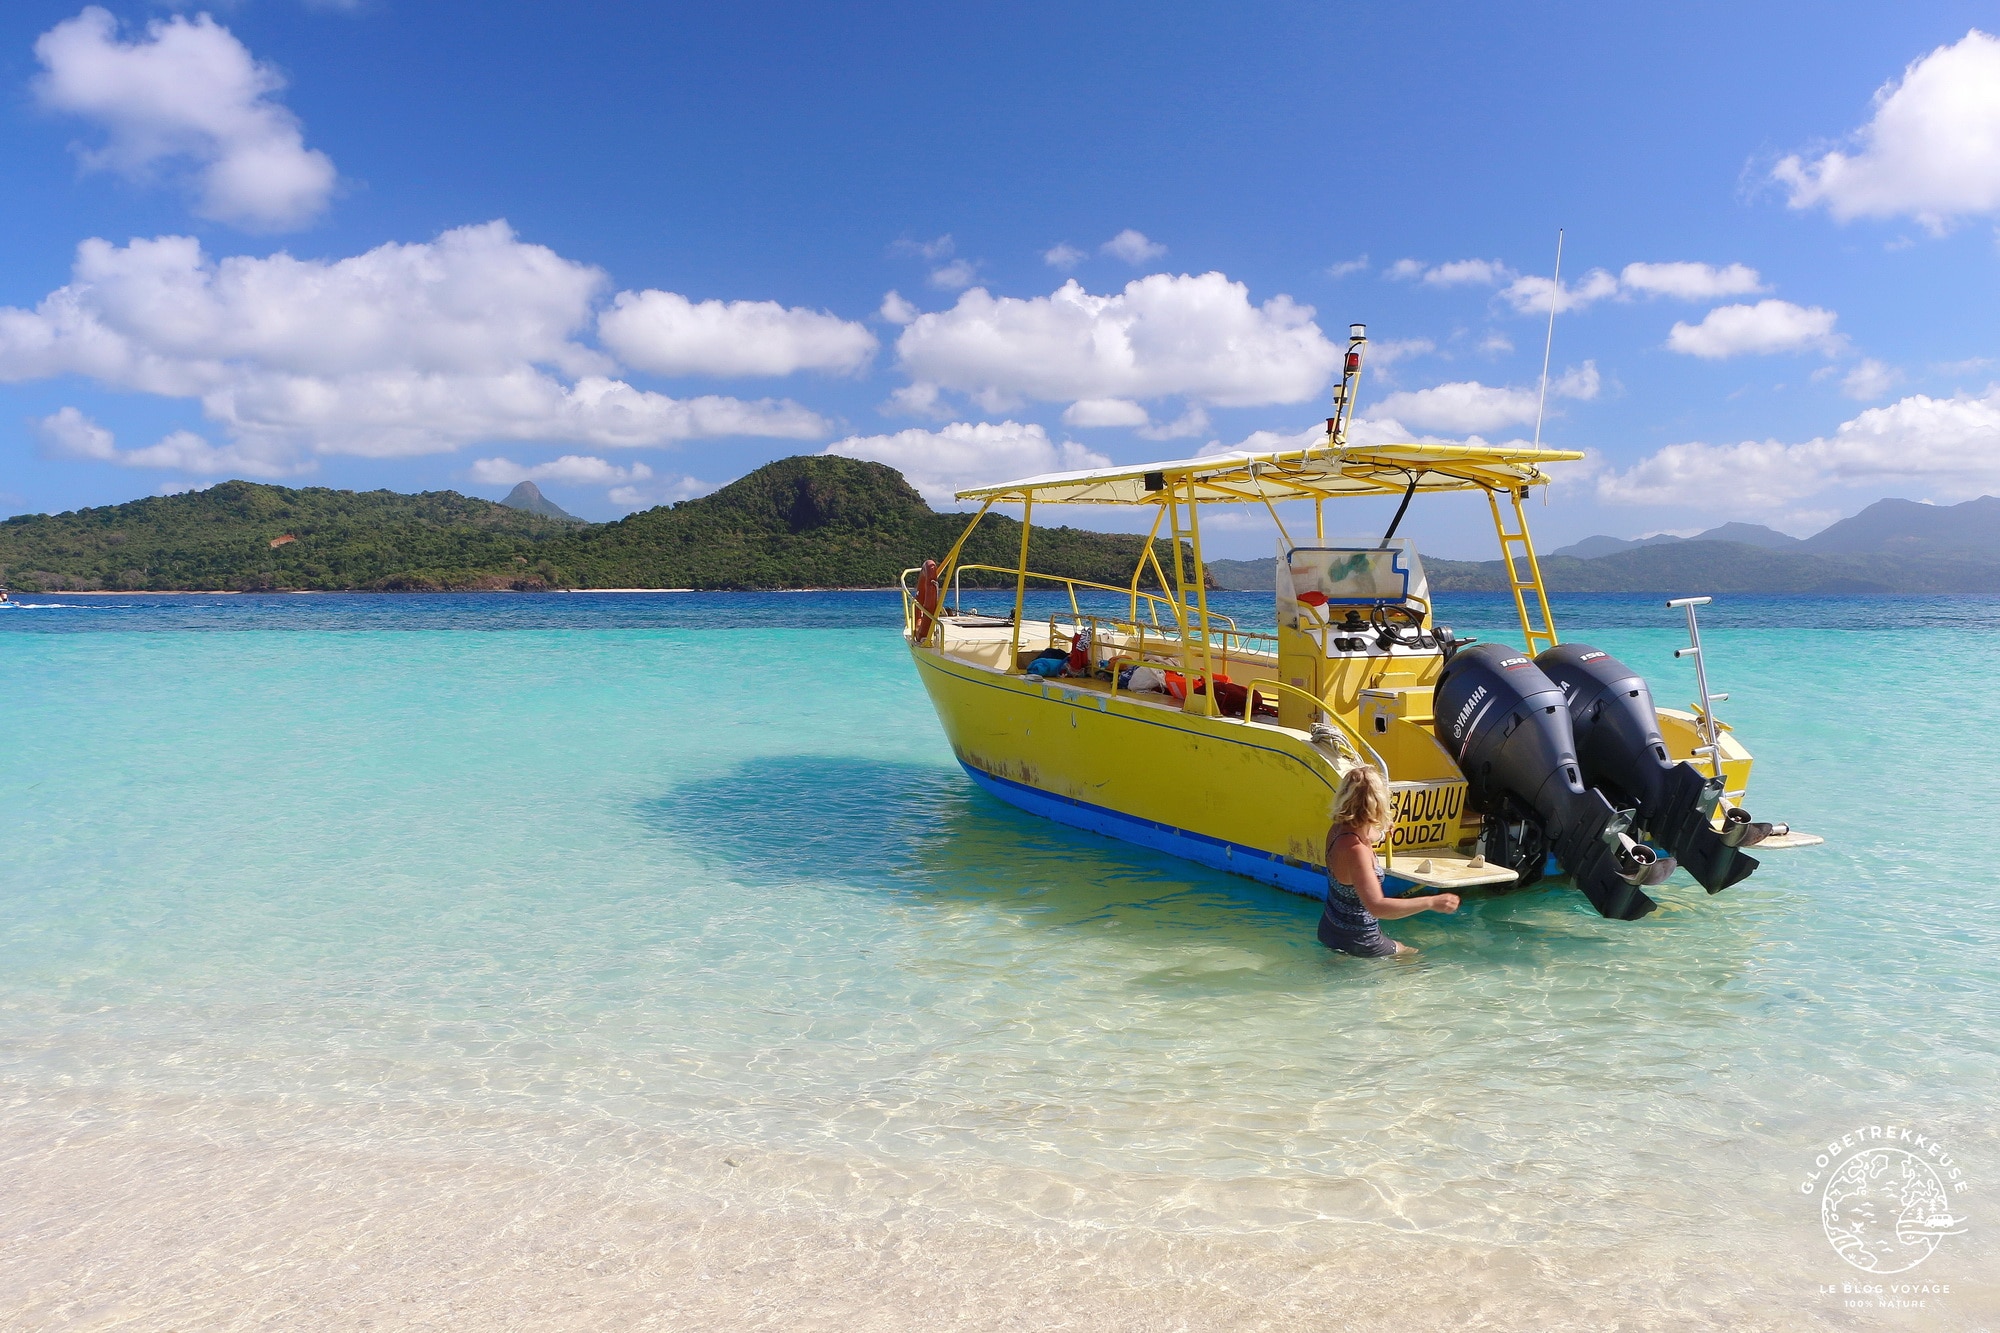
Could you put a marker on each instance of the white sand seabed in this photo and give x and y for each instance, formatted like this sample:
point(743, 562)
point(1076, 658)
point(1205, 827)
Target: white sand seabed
point(156, 1214)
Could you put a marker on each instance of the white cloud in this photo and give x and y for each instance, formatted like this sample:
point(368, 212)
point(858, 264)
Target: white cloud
point(406, 349)
point(1267, 441)
point(931, 250)
point(1869, 380)
point(896, 310)
point(1453, 273)
point(917, 400)
point(1089, 412)
point(942, 462)
point(1133, 247)
point(1468, 272)
point(1529, 295)
point(1193, 336)
point(1359, 264)
point(1391, 350)
point(1496, 344)
point(1690, 282)
point(1361, 430)
point(185, 451)
point(1187, 425)
point(951, 277)
point(1764, 328)
point(664, 490)
point(667, 334)
point(1578, 382)
point(1467, 407)
point(1461, 408)
point(162, 317)
point(569, 470)
point(68, 433)
point(187, 92)
point(1062, 255)
point(1949, 445)
point(1931, 151)
point(1970, 365)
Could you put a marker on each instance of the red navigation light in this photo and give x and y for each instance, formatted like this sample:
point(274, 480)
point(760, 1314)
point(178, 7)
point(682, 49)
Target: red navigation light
point(1353, 362)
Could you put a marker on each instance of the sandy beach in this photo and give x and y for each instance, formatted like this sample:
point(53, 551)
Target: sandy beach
point(159, 1216)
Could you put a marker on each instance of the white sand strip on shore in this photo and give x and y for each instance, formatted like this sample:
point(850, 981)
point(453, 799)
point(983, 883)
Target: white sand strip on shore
point(160, 1215)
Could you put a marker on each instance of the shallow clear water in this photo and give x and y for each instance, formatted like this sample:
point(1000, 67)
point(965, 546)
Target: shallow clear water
point(685, 893)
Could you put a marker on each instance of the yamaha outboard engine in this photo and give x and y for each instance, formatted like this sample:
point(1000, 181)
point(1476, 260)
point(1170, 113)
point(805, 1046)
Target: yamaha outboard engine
point(1507, 726)
point(1618, 739)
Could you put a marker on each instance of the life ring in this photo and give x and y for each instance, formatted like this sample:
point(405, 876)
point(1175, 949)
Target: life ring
point(927, 599)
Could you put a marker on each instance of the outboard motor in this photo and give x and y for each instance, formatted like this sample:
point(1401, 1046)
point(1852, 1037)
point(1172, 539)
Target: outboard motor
point(1508, 727)
point(1618, 739)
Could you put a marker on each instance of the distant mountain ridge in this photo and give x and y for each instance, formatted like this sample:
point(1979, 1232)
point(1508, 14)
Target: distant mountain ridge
point(528, 496)
point(1906, 526)
point(1892, 546)
point(818, 521)
point(1749, 534)
point(825, 521)
point(1885, 527)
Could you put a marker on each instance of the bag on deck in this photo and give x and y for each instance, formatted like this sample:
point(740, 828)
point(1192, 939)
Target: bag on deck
point(1142, 678)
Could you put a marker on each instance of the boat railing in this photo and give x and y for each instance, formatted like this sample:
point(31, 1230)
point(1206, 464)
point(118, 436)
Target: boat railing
point(1229, 639)
point(1187, 639)
point(1134, 643)
point(1705, 710)
point(1344, 733)
point(1163, 615)
point(1135, 596)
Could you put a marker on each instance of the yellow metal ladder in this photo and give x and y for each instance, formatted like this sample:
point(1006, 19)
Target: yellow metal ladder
point(1540, 634)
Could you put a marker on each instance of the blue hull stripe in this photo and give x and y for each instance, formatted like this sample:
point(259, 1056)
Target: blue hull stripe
point(1216, 853)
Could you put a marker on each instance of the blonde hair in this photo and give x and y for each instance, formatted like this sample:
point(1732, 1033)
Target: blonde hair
point(1362, 803)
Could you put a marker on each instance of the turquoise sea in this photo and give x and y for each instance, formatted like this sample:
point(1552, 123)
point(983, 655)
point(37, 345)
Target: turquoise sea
point(625, 961)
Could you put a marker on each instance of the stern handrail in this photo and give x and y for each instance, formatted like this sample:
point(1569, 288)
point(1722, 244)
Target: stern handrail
point(1705, 710)
point(1151, 597)
point(1362, 748)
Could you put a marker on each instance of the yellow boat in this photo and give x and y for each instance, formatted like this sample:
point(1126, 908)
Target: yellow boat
point(1140, 713)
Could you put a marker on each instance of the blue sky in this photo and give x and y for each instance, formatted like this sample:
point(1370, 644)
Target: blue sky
point(633, 252)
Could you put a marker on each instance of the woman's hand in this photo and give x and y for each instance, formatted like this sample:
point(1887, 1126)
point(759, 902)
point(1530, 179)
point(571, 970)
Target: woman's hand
point(1444, 902)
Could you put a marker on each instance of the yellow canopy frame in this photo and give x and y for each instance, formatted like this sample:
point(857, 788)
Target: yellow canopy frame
point(1321, 473)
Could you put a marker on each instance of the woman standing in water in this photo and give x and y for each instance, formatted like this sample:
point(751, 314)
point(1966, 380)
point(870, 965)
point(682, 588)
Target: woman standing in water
point(1355, 903)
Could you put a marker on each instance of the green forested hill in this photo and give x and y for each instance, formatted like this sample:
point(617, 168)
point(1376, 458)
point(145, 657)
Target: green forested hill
point(821, 522)
point(811, 522)
point(221, 538)
point(816, 521)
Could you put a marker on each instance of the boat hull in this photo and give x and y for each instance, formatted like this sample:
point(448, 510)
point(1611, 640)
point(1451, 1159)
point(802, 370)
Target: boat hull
point(1245, 798)
point(1216, 853)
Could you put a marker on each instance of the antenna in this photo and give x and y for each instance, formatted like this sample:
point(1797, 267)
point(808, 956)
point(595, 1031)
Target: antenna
point(1349, 386)
point(1555, 291)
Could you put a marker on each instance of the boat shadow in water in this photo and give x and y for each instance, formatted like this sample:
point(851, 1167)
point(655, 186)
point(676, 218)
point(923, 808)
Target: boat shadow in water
point(876, 826)
point(821, 823)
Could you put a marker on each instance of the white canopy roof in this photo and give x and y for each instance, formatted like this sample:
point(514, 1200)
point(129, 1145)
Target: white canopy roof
point(1291, 474)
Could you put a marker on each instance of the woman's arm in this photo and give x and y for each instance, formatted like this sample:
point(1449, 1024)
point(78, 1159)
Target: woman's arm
point(1357, 867)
